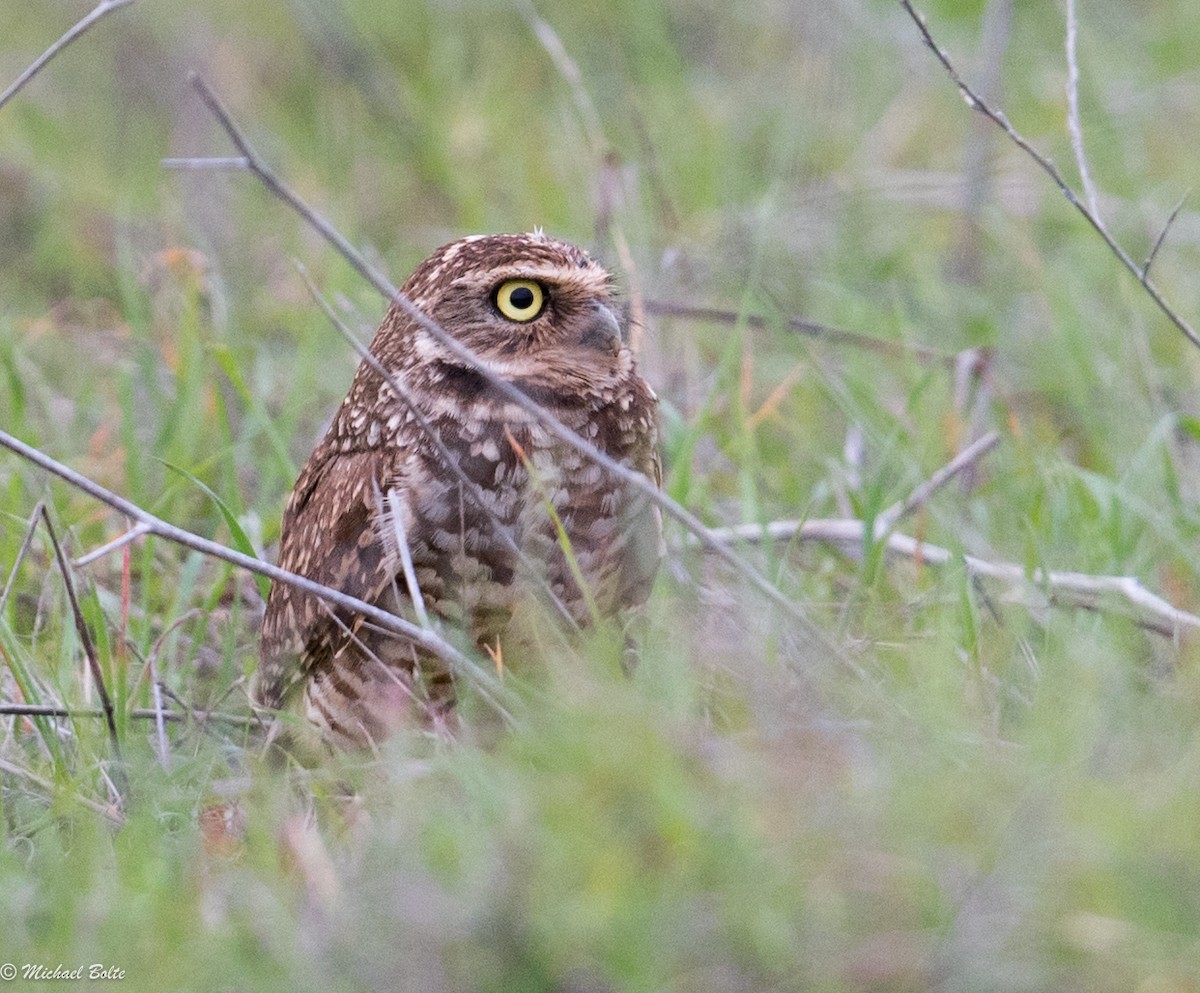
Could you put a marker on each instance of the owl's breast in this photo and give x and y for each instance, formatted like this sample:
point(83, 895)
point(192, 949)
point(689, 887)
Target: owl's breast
point(523, 515)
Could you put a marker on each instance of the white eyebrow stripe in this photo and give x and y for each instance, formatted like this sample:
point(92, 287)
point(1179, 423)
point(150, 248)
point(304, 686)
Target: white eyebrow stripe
point(593, 278)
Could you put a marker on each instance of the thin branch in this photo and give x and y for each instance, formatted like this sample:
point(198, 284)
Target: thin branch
point(101, 9)
point(189, 714)
point(388, 511)
point(1074, 125)
point(138, 713)
point(150, 665)
point(631, 478)
point(811, 329)
point(207, 162)
point(849, 534)
point(1162, 236)
point(399, 679)
point(996, 116)
point(487, 685)
point(112, 546)
point(396, 517)
point(160, 720)
point(21, 553)
point(920, 496)
point(263, 173)
point(85, 637)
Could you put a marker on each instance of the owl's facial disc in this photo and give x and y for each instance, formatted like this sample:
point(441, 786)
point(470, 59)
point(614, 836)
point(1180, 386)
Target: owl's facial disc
point(525, 304)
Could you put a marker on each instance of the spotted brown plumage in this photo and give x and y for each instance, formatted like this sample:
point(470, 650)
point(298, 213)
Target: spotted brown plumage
point(484, 533)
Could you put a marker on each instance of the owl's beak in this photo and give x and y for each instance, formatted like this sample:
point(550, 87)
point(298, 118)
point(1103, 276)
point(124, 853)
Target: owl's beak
point(601, 330)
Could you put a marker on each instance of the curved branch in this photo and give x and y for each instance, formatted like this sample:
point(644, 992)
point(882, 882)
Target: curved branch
point(100, 10)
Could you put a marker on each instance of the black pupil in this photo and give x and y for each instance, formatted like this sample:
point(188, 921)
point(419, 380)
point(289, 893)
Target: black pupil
point(521, 298)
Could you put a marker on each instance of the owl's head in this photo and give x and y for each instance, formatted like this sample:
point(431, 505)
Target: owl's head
point(525, 303)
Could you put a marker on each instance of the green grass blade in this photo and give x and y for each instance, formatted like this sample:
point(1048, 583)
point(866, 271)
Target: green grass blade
point(241, 541)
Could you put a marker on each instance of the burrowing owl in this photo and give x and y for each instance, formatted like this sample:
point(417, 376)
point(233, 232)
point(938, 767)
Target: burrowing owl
point(539, 518)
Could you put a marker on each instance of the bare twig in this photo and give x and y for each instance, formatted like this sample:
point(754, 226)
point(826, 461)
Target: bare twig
point(387, 672)
point(428, 641)
point(849, 534)
point(160, 721)
point(85, 636)
point(101, 9)
point(207, 162)
point(400, 530)
point(21, 553)
point(150, 666)
point(920, 496)
point(391, 517)
point(264, 174)
point(1074, 125)
point(135, 532)
point(996, 116)
point(811, 329)
point(138, 713)
point(631, 478)
point(1162, 236)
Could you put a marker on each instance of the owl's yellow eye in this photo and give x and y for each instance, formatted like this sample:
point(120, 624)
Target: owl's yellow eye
point(520, 300)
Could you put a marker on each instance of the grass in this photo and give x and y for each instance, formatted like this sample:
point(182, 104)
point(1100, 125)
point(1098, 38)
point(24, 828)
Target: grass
point(1003, 799)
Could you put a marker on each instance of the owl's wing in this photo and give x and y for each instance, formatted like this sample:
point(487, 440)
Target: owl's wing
point(328, 537)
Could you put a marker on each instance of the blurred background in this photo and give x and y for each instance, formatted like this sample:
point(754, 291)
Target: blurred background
point(992, 789)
